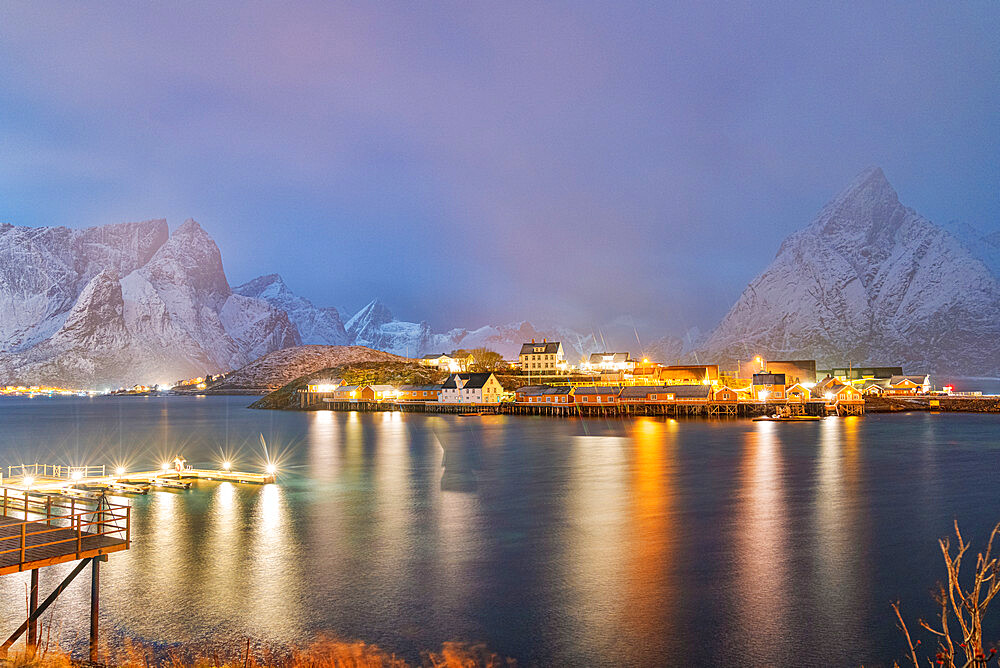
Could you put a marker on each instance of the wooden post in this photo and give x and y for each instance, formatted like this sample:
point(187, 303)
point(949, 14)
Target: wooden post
point(23, 529)
point(32, 607)
point(95, 588)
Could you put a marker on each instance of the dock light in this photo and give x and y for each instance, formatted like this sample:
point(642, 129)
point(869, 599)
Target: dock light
point(120, 471)
point(271, 469)
point(77, 475)
point(28, 481)
point(828, 395)
point(763, 395)
point(227, 465)
point(165, 466)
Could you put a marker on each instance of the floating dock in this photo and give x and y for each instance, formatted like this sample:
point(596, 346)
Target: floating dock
point(92, 481)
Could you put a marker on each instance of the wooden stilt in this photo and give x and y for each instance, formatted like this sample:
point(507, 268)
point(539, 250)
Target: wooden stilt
point(95, 588)
point(41, 609)
point(32, 608)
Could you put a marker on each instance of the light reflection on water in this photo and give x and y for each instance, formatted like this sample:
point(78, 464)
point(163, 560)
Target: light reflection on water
point(569, 542)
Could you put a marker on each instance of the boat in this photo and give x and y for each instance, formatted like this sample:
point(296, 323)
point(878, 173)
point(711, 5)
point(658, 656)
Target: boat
point(787, 418)
point(470, 414)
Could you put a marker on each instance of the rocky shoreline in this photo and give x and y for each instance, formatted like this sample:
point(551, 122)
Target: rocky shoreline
point(985, 404)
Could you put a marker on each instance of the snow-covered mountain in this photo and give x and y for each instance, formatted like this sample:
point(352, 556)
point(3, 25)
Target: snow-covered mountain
point(374, 326)
point(127, 303)
point(279, 367)
point(316, 325)
point(869, 281)
point(984, 245)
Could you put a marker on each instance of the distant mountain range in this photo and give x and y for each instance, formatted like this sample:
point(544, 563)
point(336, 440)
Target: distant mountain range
point(130, 303)
point(374, 326)
point(869, 281)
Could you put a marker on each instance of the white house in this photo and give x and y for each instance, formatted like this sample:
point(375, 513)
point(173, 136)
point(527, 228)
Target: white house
point(471, 388)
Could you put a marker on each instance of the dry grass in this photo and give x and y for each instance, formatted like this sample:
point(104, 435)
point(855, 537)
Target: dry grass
point(323, 653)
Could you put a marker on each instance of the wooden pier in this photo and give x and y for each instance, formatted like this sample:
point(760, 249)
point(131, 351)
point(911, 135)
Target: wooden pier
point(712, 409)
point(92, 481)
point(39, 530)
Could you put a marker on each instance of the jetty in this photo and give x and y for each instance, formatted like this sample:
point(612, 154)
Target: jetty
point(705, 408)
point(92, 481)
point(38, 530)
point(52, 514)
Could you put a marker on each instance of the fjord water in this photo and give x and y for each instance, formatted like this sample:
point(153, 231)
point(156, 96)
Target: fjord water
point(556, 542)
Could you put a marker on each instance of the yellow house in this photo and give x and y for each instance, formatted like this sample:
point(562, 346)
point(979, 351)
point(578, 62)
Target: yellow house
point(798, 393)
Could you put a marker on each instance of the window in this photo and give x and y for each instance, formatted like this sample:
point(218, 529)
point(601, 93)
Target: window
point(653, 397)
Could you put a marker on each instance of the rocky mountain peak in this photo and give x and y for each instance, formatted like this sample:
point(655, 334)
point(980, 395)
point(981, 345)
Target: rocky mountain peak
point(866, 211)
point(190, 258)
point(374, 314)
point(96, 320)
point(267, 286)
point(869, 281)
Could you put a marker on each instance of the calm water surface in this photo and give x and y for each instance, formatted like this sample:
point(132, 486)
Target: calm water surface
point(556, 542)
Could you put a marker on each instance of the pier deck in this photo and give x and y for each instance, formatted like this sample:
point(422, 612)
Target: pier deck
point(90, 481)
point(39, 530)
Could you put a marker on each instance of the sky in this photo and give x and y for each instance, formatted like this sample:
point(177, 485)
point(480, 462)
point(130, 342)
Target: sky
point(578, 164)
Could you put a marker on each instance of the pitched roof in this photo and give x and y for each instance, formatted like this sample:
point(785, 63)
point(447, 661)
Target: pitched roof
point(690, 391)
point(382, 388)
point(822, 385)
point(917, 379)
point(346, 388)
point(597, 389)
point(473, 381)
point(558, 389)
point(616, 358)
point(418, 388)
point(531, 389)
point(546, 347)
point(640, 391)
point(837, 387)
point(434, 357)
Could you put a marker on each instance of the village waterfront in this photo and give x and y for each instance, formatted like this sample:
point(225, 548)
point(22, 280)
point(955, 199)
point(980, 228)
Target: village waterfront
point(586, 541)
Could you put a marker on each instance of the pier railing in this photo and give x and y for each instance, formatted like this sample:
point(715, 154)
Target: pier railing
point(43, 521)
point(56, 471)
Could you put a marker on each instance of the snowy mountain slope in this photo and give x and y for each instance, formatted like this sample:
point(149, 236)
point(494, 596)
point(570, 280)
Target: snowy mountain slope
point(44, 269)
point(316, 325)
point(171, 316)
point(280, 367)
point(869, 281)
point(374, 326)
point(984, 245)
